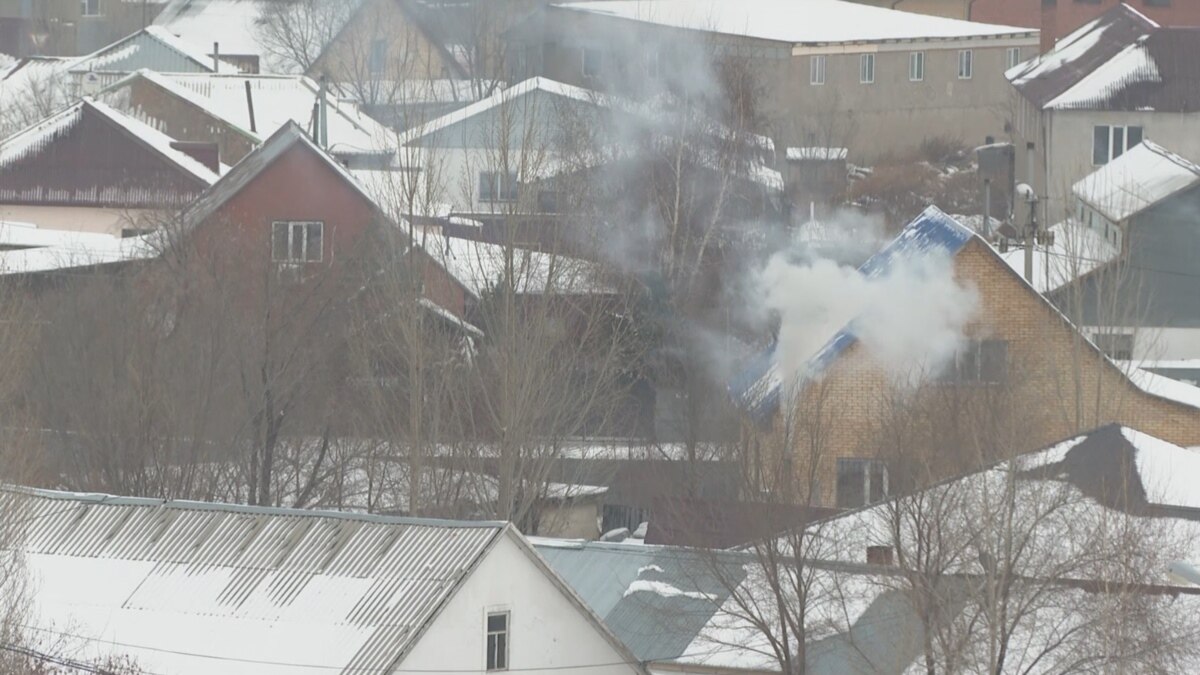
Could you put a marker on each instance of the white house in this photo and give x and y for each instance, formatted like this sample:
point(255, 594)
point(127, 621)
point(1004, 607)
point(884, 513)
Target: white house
point(188, 587)
point(1100, 91)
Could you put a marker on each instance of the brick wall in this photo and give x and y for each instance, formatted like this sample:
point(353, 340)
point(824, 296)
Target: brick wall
point(1057, 386)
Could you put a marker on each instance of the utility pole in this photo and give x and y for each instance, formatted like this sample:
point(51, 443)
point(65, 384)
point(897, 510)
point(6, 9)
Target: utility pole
point(1032, 200)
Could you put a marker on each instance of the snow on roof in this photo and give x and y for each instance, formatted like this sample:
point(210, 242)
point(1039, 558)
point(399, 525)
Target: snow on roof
point(60, 250)
point(816, 154)
point(37, 137)
point(279, 99)
point(1137, 180)
point(236, 25)
point(1077, 250)
point(479, 266)
point(810, 22)
point(257, 590)
point(153, 48)
point(1165, 387)
point(1132, 65)
point(31, 89)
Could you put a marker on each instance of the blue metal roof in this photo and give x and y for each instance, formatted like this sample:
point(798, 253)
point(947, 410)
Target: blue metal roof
point(758, 386)
point(653, 625)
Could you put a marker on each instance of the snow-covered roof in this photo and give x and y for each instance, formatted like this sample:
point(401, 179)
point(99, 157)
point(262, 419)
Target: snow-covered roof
point(1135, 181)
point(280, 99)
point(181, 586)
point(1078, 250)
point(31, 89)
point(60, 250)
point(480, 266)
point(809, 22)
point(819, 154)
point(153, 48)
point(237, 27)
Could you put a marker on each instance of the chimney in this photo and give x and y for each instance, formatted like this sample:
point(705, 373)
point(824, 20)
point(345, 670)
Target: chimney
point(207, 154)
point(1049, 34)
point(879, 555)
point(216, 57)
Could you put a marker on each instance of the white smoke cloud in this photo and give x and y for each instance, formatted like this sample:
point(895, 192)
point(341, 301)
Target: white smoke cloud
point(911, 319)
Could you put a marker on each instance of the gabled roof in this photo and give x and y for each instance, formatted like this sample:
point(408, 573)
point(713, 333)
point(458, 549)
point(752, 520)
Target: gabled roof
point(32, 141)
point(188, 587)
point(1119, 61)
point(253, 164)
point(1137, 180)
point(234, 24)
point(759, 386)
point(153, 48)
point(809, 22)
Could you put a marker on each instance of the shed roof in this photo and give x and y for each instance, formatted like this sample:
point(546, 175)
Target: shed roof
point(809, 22)
point(1136, 181)
point(191, 587)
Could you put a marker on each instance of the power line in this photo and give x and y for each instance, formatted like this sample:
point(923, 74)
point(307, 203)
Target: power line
point(315, 666)
point(57, 660)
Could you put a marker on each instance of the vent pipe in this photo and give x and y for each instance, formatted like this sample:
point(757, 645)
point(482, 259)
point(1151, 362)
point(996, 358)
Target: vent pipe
point(250, 107)
point(216, 57)
point(323, 121)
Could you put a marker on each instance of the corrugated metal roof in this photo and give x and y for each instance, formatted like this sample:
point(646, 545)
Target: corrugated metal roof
point(758, 386)
point(184, 586)
point(679, 591)
point(1137, 180)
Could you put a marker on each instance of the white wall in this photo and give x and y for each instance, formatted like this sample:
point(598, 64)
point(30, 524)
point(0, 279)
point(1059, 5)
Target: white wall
point(546, 629)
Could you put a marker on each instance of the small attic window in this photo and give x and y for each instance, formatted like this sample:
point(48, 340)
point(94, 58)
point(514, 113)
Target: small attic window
point(497, 641)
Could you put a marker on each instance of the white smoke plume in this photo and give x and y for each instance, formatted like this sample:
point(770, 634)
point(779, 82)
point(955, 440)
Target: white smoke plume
point(911, 319)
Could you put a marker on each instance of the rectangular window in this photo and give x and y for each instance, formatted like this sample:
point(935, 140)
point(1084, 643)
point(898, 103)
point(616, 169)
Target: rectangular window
point(497, 641)
point(89, 7)
point(1110, 142)
point(966, 64)
point(979, 362)
point(916, 66)
point(497, 187)
point(861, 482)
point(816, 69)
point(378, 58)
point(593, 61)
point(1117, 346)
point(866, 68)
point(1012, 57)
point(297, 242)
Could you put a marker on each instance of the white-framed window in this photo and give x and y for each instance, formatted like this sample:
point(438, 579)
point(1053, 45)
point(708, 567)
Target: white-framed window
point(1012, 57)
point(1110, 142)
point(497, 640)
point(297, 241)
point(816, 69)
point(966, 64)
point(861, 482)
point(1118, 346)
point(866, 68)
point(978, 362)
point(916, 66)
point(495, 186)
point(593, 61)
point(89, 7)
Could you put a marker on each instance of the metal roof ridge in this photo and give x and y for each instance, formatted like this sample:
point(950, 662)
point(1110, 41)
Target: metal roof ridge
point(194, 505)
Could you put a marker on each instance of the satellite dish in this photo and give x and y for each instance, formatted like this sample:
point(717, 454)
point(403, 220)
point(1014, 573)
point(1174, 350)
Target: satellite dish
point(91, 83)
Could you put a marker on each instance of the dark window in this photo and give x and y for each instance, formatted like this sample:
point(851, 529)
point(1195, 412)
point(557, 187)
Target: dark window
point(378, 60)
point(593, 61)
point(1117, 346)
point(861, 482)
point(979, 361)
point(498, 187)
point(293, 242)
point(497, 641)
